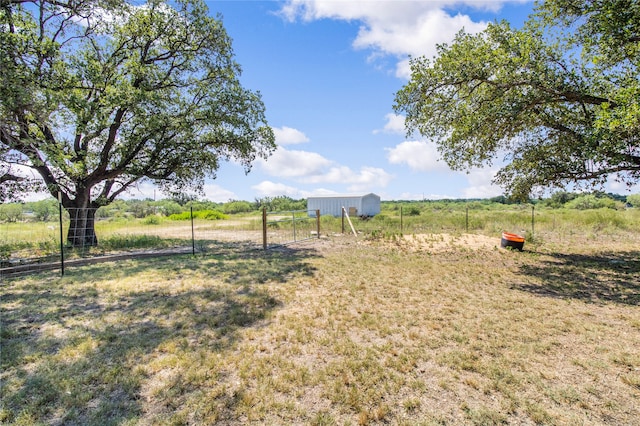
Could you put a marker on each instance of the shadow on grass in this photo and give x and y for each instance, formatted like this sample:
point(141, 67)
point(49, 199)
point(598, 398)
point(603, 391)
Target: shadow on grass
point(81, 350)
point(612, 277)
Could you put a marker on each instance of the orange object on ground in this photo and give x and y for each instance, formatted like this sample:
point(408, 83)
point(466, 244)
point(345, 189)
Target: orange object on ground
point(512, 240)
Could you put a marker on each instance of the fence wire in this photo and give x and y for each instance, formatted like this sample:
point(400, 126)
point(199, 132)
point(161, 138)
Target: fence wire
point(290, 227)
point(81, 233)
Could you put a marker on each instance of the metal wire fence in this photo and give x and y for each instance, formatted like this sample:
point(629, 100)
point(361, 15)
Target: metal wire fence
point(289, 227)
point(79, 234)
point(558, 225)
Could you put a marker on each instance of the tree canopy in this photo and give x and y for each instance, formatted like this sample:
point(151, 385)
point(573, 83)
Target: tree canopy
point(98, 95)
point(558, 100)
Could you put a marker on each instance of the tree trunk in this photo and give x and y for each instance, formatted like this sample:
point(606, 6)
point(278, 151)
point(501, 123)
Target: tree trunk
point(82, 231)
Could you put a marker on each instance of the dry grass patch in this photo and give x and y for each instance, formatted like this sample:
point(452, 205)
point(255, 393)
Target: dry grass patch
point(335, 332)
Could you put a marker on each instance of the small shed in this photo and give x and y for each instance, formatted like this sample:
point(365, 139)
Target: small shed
point(356, 205)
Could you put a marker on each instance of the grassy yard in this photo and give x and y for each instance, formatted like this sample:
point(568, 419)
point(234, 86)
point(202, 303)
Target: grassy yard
point(337, 331)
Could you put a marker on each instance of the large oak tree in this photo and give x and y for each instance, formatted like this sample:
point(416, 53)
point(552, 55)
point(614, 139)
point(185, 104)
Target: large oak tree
point(99, 95)
point(558, 100)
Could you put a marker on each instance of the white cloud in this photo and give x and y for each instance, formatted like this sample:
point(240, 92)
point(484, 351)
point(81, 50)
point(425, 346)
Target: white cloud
point(217, 193)
point(319, 192)
point(403, 69)
point(480, 184)
point(366, 179)
point(420, 156)
point(622, 188)
point(419, 197)
point(142, 190)
point(147, 190)
point(416, 37)
point(271, 189)
point(289, 136)
point(313, 168)
point(394, 28)
point(102, 20)
point(19, 170)
point(395, 124)
point(36, 196)
point(294, 164)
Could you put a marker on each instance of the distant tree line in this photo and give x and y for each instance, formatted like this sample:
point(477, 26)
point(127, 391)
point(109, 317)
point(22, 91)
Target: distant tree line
point(47, 210)
point(560, 199)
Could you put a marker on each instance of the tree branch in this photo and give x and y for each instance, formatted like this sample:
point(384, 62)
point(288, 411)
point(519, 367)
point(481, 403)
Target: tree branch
point(8, 177)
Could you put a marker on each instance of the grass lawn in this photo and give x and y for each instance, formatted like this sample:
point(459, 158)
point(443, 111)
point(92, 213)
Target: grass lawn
point(337, 331)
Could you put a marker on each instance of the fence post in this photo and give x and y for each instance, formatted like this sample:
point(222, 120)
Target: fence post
point(293, 219)
point(264, 228)
point(533, 221)
point(401, 221)
point(61, 234)
point(467, 219)
point(193, 240)
point(343, 220)
point(318, 222)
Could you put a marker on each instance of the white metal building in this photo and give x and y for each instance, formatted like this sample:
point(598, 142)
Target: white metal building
point(355, 205)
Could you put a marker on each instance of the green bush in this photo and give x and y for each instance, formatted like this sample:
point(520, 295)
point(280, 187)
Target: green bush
point(181, 216)
point(590, 201)
point(152, 220)
point(11, 212)
point(234, 206)
point(201, 214)
point(118, 209)
point(558, 199)
point(634, 200)
point(168, 207)
point(412, 211)
point(280, 203)
point(210, 215)
point(44, 210)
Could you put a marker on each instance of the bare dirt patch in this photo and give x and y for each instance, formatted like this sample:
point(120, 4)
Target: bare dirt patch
point(437, 243)
point(443, 242)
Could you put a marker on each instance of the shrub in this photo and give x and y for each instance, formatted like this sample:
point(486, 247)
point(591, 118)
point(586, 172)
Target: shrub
point(116, 209)
point(634, 200)
point(181, 216)
point(559, 199)
point(168, 207)
point(151, 220)
point(11, 212)
point(45, 210)
point(590, 201)
point(412, 211)
point(210, 215)
point(237, 207)
point(201, 214)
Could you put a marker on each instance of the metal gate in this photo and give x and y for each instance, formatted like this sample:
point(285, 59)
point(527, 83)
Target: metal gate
point(285, 227)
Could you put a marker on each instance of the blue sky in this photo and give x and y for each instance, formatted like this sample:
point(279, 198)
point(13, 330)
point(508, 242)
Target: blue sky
point(328, 72)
